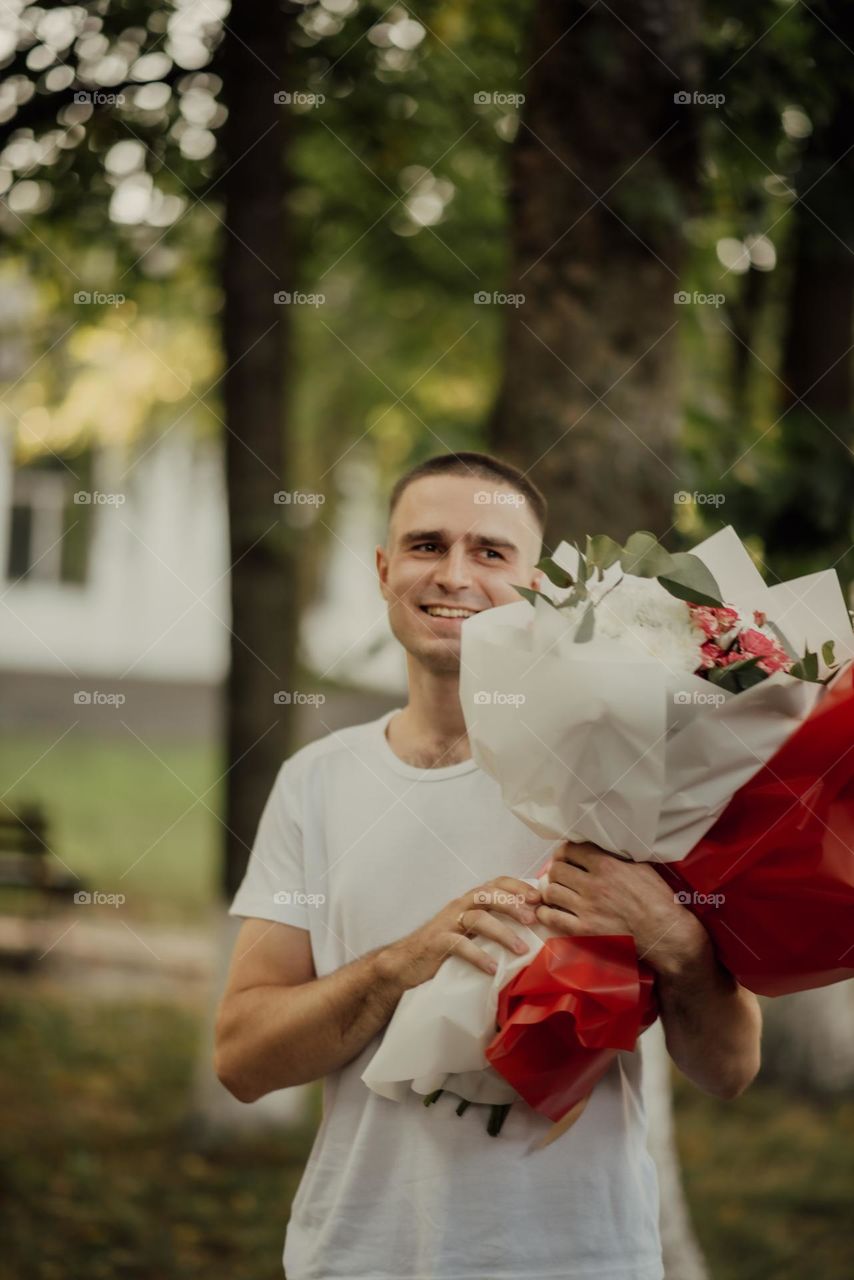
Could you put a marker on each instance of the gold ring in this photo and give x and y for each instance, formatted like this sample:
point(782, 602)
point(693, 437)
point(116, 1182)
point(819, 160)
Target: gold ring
point(460, 919)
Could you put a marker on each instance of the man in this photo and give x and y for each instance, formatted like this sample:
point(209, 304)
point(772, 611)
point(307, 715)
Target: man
point(381, 849)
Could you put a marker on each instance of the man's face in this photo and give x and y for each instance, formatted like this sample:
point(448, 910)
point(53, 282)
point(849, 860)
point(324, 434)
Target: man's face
point(448, 547)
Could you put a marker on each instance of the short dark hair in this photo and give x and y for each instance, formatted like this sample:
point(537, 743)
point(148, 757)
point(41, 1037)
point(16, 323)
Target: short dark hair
point(483, 466)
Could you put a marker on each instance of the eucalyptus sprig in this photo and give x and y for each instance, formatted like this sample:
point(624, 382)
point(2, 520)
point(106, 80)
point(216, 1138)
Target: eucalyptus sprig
point(680, 572)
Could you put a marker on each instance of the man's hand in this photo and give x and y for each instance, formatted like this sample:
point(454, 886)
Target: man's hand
point(712, 1025)
point(415, 958)
point(591, 892)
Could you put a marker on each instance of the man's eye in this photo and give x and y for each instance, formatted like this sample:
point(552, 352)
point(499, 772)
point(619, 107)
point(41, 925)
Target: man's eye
point(492, 551)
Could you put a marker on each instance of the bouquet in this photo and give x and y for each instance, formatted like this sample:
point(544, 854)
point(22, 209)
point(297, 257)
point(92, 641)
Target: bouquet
point(670, 708)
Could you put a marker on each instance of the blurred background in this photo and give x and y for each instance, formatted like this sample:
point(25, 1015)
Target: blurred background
point(256, 262)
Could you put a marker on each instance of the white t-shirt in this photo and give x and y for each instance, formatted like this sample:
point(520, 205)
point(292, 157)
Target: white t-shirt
point(360, 848)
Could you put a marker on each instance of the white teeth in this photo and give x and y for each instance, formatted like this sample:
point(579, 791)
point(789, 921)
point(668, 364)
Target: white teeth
point(438, 611)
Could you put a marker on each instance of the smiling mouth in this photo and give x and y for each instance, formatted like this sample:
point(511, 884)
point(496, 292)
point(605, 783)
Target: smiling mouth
point(447, 611)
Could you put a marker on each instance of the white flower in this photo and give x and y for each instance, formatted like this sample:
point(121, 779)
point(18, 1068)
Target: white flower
point(644, 617)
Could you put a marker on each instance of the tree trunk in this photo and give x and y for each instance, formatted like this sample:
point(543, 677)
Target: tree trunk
point(603, 167)
point(590, 397)
point(256, 267)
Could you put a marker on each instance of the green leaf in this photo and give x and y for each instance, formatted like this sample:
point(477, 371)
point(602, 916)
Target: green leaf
point(806, 668)
point(554, 573)
point(687, 578)
point(738, 676)
point(602, 551)
point(644, 556)
point(827, 653)
point(531, 595)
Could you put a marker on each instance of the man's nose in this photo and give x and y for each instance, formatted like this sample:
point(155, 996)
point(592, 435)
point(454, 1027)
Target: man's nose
point(453, 571)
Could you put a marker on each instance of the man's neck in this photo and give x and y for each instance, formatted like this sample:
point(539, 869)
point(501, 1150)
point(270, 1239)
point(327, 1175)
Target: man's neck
point(430, 732)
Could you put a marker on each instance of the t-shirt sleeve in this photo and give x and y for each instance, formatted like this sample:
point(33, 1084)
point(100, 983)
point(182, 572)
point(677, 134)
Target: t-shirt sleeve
point(273, 887)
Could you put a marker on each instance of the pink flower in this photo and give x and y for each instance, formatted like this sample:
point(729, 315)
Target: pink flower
point(713, 621)
point(753, 644)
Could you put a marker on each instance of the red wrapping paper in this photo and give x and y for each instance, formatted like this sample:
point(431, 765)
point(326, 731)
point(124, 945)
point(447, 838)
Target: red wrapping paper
point(772, 882)
point(780, 859)
point(565, 1016)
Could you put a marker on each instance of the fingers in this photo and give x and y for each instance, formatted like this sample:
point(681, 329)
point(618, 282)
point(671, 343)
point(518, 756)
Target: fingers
point(491, 926)
point(569, 875)
point(468, 950)
point(561, 921)
point(581, 855)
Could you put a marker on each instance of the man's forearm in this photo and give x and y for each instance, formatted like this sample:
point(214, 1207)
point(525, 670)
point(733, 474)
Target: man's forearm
point(712, 1025)
point(272, 1037)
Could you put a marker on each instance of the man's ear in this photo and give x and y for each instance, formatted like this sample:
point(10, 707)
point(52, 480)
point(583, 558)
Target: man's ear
point(382, 568)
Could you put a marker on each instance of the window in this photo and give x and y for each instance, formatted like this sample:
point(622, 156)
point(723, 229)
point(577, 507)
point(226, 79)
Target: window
point(48, 532)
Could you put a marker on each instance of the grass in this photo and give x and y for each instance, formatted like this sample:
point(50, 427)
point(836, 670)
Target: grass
point(92, 1104)
point(770, 1180)
point(104, 1178)
point(124, 819)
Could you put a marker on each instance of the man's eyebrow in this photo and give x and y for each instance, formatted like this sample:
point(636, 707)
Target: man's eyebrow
point(473, 539)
